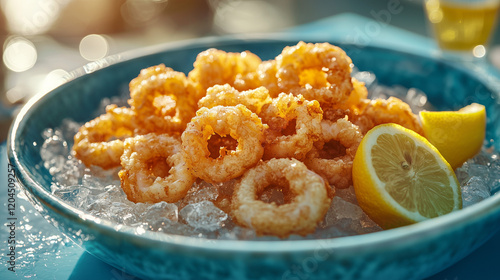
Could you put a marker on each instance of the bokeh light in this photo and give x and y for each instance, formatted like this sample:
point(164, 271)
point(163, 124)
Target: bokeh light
point(250, 16)
point(19, 54)
point(479, 51)
point(31, 17)
point(54, 79)
point(94, 47)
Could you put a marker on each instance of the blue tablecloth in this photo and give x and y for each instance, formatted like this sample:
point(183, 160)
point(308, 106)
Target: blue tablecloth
point(43, 253)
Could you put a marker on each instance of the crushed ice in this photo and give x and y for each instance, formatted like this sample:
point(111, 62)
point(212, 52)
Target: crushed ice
point(98, 191)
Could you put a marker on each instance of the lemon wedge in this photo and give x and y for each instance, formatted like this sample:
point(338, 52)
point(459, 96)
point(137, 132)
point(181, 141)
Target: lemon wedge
point(458, 135)
point(400, 178)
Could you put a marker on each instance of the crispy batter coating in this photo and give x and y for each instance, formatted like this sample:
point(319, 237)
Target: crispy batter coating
point(235, 121)
point(226, 95)
point(217, 67)
point(371, 113)
point(333, 155)
point(294, 125)
point(304, 207)
point(161, 99)
point(267, 77)
point(358, 95)
point(319, 72)
point(100, 141)
point(154, 170)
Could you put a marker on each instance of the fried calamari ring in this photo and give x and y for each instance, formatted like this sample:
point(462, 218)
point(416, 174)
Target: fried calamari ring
point(379, 111)
point(319, 72)
point(307, 204)
point(356, 98)
point(100, 141)
point(226, 95)
point(217, 67)
point(161, 98)
point(153, 169)
point(294, 124)
point(236, 121)
point(333, 155)
point(267, 77)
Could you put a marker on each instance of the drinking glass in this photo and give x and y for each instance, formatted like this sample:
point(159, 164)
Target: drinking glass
point(462, 28)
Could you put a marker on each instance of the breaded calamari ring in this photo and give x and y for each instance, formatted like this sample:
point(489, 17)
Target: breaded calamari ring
point(357, 96)
point(294, 125)
point(236, 121)
point(217, 67)
point(371, 113)
point(266, 75)
point(329, 160)
point(154, 170)
point(319, 72)
point(307, 204)
point(226, 95)
point(100, 141)
point(161, 98)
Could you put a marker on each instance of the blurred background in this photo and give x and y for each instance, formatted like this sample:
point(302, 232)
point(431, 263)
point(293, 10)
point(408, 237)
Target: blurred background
point(43, 40)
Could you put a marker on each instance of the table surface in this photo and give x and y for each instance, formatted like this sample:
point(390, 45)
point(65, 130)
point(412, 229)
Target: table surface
point(44, 253)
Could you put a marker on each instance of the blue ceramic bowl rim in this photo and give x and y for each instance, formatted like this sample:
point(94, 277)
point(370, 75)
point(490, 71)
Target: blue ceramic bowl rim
point(347, 244)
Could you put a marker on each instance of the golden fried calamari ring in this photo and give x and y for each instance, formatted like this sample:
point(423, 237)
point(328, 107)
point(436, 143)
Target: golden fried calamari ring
point(100, 141)
point(153, 169)
point(294, 125)
point(161, 98)
point(334, 165)
point(351, 107)
point(379, 111)
point(265, 76)
point(226, 95)
point(319, 72)
point(217, 67)
point(356, 98)
point(236, 121)
point(308, 203)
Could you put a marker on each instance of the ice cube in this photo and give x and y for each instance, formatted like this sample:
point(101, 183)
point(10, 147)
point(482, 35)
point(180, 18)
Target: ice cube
point(345, 218)
point(200, 192)
point(122, 213)
point(462, 173)
point(98, 178)
point(54, 151)
point(75, 195)
point(203, 215)
point(114, 193)
point(347, 194)
point(494, 176)
point(160, 210)
point(482, 159)
point(479, 170)
point(70, 172)
point(474, 191)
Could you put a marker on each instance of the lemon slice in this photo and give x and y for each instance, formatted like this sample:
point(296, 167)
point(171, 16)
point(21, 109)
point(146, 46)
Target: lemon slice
point(458, 135)
point(400, 178)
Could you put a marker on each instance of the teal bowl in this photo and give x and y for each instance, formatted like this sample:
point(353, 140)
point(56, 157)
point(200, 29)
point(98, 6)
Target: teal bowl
point(411, 252)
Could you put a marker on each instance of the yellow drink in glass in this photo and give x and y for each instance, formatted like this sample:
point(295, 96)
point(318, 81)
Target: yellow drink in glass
point(462, 25)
